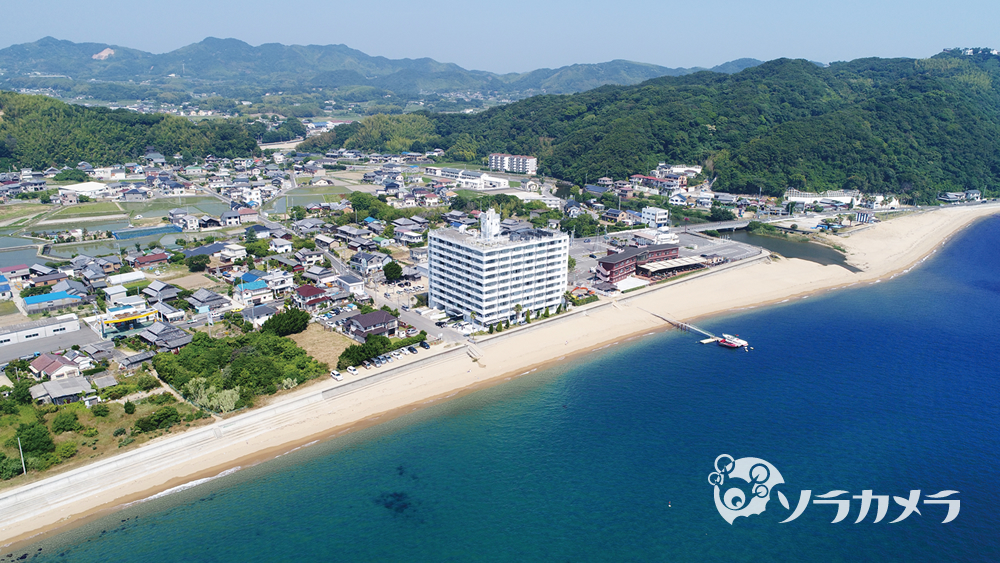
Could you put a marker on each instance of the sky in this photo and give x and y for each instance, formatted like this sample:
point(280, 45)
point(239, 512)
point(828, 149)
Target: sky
point(523, 35)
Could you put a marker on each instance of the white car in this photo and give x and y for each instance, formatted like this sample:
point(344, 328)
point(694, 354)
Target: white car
point(352, 370)
point(336, 375)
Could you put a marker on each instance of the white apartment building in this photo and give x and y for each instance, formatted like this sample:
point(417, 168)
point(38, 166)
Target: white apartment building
point(489, 274)
point(655, 217)
point(513, 163)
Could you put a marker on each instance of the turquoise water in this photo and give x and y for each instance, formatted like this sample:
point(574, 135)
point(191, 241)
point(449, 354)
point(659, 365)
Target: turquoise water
point(890, 386)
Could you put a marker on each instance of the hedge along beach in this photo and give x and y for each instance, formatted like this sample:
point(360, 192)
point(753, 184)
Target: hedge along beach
point(330, 409)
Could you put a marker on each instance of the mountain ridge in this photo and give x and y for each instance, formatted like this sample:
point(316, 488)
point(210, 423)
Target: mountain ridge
point(234, 61)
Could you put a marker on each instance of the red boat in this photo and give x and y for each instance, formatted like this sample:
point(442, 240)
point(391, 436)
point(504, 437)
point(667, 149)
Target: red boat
point(730, 341)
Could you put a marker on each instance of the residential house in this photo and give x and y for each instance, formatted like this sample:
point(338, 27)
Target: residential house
point(375, 323)
point(54, 367)
point(252, 293)
point(367, 263)
point(205, 300)
point(309, 257)
point(165, 337)
point(230, 218)
point(150, 261)
point(233, 252)
point(258, 314)
point(280, 246)
point(321, 276)
point(280, 282)
point(158, 291)
point(351, 284)
point(309, 297)
point(61, 391)
point(248, 215)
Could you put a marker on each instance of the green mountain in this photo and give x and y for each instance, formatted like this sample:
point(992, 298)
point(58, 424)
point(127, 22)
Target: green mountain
point(232, 67)
point(904, 126)
point(38, 131)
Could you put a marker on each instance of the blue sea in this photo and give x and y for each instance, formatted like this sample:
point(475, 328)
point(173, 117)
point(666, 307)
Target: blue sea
point(891, 387)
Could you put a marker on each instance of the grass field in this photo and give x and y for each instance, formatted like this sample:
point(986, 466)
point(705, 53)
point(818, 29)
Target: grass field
point(7, 308)
point(87, 210)
point(160, 207)
point(322, 345)
point(13, 211)
point(192, 282)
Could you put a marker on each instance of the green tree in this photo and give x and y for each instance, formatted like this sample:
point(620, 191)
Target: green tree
point(22, 391)
point(198, 263)
point(100, 410)
point(66, 450)
point(251, 236)
point(291, 321)
point(297, 213)
point(35, 439)
point(393, 271)
point(572, 263)
point(129, 407)
point(65, 421)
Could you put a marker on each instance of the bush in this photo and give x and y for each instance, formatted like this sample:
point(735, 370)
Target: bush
point(35, 439)
point(163, 418)
point(129, 407)
point(118, 432)
point(90, 432)
point(65, 421)
point(10, 467)
point(160, 399)
point(66, 450)
point(100, 410)
point(292, 321)
point(146, 382)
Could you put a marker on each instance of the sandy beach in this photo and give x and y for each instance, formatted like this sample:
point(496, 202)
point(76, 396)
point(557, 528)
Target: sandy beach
point(329, 409)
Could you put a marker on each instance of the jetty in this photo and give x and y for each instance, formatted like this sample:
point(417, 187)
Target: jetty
point(687, 327)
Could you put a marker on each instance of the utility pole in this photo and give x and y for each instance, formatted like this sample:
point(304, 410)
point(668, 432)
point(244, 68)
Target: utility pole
point(23, 468)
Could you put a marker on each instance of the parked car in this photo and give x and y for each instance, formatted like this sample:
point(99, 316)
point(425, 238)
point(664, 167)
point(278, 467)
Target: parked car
point(412, 350)
point(367, 364)
point(352, 370)
point(424, 345)
point(336, 375)
point(378, 363)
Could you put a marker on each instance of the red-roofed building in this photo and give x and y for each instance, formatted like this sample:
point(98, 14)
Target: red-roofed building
point(56, 367)
point(248, 215)
point(151, 260)
point(309, 297)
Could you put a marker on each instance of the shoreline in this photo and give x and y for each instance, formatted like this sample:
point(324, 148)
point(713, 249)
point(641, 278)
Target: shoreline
point(897, 245)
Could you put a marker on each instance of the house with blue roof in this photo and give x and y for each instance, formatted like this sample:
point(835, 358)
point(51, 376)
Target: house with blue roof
point(48, 301)
point(253, 293)
point(5, 292)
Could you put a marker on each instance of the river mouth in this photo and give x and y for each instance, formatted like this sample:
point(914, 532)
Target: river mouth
point(811, 251)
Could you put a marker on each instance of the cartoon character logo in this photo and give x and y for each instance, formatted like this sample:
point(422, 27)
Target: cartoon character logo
point(742, 486)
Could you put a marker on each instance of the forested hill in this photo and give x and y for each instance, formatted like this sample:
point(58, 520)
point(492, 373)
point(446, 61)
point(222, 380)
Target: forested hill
point(235, 68)
point(905, 126)
point(38, 131)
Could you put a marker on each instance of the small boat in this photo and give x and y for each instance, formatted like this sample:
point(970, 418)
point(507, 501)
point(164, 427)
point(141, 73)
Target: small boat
point(730, 341)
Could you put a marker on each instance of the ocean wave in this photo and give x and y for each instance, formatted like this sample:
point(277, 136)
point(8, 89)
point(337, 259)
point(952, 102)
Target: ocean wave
point(184, 487)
